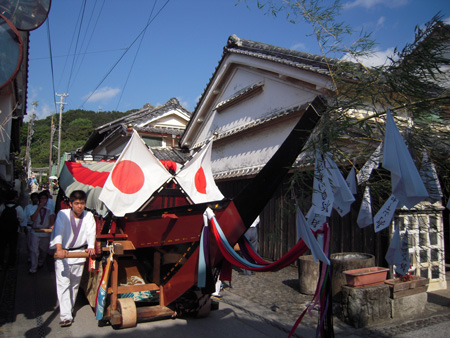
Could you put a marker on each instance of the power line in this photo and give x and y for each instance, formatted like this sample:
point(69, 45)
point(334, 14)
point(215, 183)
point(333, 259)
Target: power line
point(70, 48)
point(121, 57)
point(51, 58)
point(76, 44)
point(135, 57)
point(92, 34)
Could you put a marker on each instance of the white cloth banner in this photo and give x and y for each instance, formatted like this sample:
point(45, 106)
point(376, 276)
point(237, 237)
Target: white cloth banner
point(393, 255)
point(351, 181)
point(343, 197)
point(304, 232)
point(197, 180)
point(323, 197)
point(430, 178)
point(407, 186)
point(136, 175)
point(403, 267)
point(365, 212)
point(315, 220)
point(384, 216)
point(372, 163)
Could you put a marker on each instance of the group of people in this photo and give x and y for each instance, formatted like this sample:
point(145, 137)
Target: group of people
point(70, 230)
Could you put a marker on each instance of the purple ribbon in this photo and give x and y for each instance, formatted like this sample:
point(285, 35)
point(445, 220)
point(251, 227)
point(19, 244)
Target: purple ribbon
point(75, 228)
point(42, 213)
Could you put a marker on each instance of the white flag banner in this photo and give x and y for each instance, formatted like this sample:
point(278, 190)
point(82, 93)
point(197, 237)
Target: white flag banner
point(315, 220)
point(384, 216)
point(407, 186)
point(197, 180)
point(365, 212)
point(136, 175)
point(343, 197)
point(393, 255)
point(323, 197)
point(372, 163)
point(351, 181)
point(304, 232)
point(430, 179)
point(403, 267)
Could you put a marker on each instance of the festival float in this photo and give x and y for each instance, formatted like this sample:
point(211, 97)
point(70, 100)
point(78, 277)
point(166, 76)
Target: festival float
point(161, 259)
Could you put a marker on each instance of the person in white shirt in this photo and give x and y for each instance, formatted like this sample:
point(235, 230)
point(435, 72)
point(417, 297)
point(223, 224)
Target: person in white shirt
point(51, 202)
point(74, 231)
point(43, 218)
point(29, 210)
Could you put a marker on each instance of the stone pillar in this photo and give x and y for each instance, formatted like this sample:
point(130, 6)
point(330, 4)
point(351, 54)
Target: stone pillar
point(408, 306)
point(365, 306)
point(346, 261)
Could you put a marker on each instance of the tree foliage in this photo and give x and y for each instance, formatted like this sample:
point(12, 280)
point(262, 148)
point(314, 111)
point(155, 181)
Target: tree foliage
point(414, 85)
point(76, 127)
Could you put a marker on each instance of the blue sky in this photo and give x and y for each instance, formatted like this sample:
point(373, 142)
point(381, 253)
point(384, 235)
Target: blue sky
point(181, 47)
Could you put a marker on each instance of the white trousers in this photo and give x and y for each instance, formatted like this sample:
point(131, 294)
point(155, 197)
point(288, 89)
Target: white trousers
point(29, 239)
point(39, 249)
point(68, 278)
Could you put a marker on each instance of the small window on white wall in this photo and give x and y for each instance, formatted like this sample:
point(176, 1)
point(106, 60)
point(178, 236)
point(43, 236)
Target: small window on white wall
point(153, 141)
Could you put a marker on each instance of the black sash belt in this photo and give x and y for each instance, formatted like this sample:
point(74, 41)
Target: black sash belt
point(77, 248)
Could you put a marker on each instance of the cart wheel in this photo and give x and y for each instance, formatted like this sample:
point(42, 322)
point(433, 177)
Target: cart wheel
point(127, 308)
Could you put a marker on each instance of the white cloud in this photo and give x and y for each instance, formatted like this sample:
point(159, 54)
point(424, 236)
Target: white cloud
point(102, 94)
point(372, 3)
point(183, 103)
point(299, 46)
point(379, 58)
point(447, 21)
point(41, 111)
point(381, 21)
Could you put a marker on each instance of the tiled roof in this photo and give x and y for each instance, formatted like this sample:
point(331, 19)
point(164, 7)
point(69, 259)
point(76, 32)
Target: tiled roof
point(301, 60)
point(161, 130)
point(144, 114)
point(101, 133)
point(304, 160)
point(169, 154)
point(237, 173)
point(258, 122)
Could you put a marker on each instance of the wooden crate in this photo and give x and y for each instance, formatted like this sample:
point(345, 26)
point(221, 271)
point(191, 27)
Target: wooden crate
point(401, 289)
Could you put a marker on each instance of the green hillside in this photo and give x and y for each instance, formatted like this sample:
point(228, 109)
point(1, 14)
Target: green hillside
point(76, 127)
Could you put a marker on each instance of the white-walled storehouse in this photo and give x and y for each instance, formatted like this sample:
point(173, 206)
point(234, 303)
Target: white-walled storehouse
point(254, 98)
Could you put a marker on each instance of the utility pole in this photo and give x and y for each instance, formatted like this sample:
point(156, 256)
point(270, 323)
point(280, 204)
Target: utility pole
point(29, 135)
point(52, 131)
point(61, 107)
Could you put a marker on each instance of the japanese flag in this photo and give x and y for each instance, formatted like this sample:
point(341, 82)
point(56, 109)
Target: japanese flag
point(197, 180)
point(136, 175)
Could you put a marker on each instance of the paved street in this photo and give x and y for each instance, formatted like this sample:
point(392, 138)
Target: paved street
point(261, 305)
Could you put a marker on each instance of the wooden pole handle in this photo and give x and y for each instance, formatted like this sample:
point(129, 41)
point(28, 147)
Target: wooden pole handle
point(75, 255)
point(43, 230)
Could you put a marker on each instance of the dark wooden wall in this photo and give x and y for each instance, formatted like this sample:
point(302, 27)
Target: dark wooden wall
point(277, 228)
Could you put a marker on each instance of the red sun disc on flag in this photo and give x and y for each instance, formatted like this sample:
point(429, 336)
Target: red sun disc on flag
point(128, 177)
point(200, 181)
